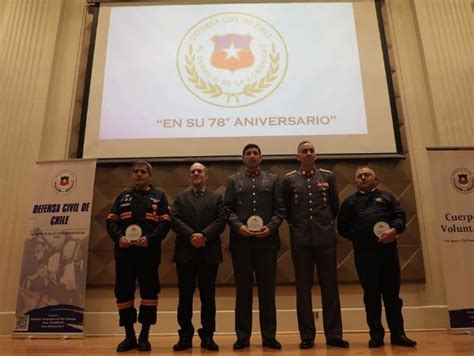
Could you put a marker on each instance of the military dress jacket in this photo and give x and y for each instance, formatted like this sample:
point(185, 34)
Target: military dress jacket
point(246, 196)
point(311, 203)
point(195, 212)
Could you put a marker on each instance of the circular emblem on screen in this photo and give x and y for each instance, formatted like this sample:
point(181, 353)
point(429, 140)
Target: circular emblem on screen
point(232, 59)
point(64, 182)
point(462, 180)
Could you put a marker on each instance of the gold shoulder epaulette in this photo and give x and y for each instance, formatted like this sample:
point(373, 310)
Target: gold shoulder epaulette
point(325, 171)
point(290, 173)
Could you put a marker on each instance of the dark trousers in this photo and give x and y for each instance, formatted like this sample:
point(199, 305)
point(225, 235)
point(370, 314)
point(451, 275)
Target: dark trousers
point(205, 274)
point(127, 273)
point(263, 263)
point(304, 260)
point(379, 275)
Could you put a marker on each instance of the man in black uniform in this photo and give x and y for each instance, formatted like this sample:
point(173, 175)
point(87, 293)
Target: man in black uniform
point(198, 219)
point(372, 219)
point(138, 221)
point(255, 211)
point(312, 203)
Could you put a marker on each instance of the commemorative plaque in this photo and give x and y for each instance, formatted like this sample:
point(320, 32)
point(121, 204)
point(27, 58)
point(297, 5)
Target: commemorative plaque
point(255, 223)
point(133, 232)
point(380, 228)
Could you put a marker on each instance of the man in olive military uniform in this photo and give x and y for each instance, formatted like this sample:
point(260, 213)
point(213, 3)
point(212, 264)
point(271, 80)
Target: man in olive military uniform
point(312, 203)
point(255, 211)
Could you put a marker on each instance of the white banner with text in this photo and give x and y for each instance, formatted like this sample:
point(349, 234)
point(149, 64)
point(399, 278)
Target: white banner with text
point(51, 295)
point(453, 183)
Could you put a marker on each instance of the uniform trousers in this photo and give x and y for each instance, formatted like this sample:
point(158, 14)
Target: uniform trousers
point(127, 273)
point(205, 274)
point(263, 262)
point(379, 274)
point(304, 260)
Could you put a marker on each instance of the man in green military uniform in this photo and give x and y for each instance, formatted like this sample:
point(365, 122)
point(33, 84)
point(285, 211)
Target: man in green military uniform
point(312, 203)
point(255, 211)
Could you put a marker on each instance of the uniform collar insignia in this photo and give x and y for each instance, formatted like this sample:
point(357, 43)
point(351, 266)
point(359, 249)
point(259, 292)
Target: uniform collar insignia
point(252, 174)
point(308, 174)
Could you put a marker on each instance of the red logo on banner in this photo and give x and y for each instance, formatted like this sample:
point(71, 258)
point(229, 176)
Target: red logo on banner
point(64, 181)
point(462, 180)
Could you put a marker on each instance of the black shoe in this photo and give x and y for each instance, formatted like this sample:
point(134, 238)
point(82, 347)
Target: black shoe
point(402, 340)
point(144, 344)
point(209, 344)
point(271, 344)
point(341, 343)
point(241, 344)
point(129, 343)
point(183, 344)
point(307, 344)
point(375, 342)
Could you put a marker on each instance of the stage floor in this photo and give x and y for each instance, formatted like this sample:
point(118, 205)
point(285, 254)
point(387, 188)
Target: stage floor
point(429, 343)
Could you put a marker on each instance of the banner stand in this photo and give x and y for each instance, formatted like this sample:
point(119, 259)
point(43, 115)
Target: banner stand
point(452, 173)
point(51, 295)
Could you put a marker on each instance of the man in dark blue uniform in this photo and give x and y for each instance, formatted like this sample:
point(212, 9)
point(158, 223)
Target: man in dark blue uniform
point(311, 202)
point(255, 211)
point(198, 219)
point(372, 219)
point(138, 221)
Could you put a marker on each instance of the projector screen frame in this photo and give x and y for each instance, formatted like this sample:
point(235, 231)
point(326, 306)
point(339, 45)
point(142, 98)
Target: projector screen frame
point(94, 9)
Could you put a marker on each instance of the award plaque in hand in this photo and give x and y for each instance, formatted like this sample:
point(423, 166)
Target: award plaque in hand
point(133, 232)
point(380, 228)
point(255, 223)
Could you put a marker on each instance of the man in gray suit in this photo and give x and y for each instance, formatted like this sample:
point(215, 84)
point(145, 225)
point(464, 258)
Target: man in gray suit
point(311, 202)
point(255, 211)
point(198, 218)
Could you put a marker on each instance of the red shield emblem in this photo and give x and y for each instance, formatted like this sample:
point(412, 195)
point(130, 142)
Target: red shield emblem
point(232, 52)
point(462, 179)
point(64, 181)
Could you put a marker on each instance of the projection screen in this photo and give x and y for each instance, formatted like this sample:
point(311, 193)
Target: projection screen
point(204, 80)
